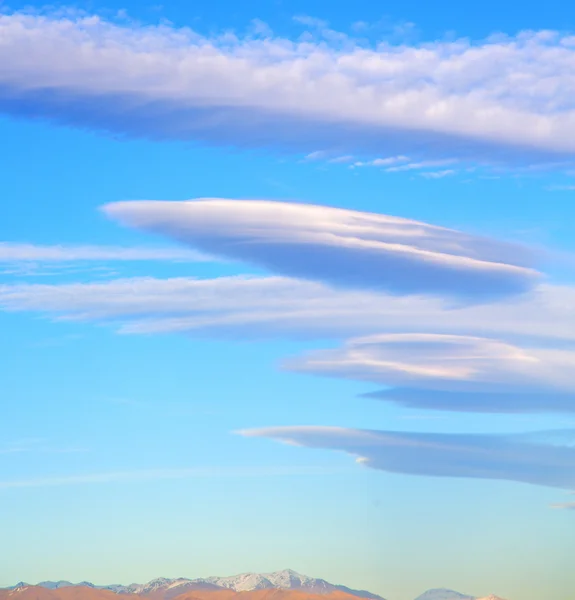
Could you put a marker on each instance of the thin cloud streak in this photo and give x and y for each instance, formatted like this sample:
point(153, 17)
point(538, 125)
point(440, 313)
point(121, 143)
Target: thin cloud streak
point(146, 475)
point(438, 174)
point(11, 252)
point(280, 307)
point(418, 166)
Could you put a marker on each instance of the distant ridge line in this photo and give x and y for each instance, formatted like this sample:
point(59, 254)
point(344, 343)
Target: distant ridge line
point(279, 585)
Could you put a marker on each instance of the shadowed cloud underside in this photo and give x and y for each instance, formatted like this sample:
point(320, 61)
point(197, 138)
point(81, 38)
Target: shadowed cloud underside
point(441, 99)
point(452, 372)
point(524, 458)
point(340, 247)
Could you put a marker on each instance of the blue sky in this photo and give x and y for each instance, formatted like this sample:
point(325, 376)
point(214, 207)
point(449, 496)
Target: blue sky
point(137, 349)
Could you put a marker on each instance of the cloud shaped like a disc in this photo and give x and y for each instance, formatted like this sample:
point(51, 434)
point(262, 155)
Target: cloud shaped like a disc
point(340, 247)
point(532, 458)
point(452, 372)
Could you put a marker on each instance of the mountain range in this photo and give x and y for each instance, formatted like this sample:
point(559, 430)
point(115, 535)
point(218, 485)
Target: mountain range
point(280, 585)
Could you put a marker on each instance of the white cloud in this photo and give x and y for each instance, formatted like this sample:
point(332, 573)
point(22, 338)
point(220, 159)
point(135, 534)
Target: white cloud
point(417, 166)
point(283, 307)
point(452, 372)
point(381, 162)
point(444, 362)
point(11, 252)
point(438, 174)
point(501, 457)
point(142, 297)
point(341, 247)
point(316, 155)
point(521, 374)
point(504, 100)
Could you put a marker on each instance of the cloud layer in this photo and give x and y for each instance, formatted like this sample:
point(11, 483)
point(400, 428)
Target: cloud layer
point(452, 372)
point(281, 307)
point(440, 369)
point(340, 247)
point(531, 458)
point(502, 100)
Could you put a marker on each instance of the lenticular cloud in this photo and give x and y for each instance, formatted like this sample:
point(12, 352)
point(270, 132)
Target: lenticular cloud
point(504, 101)
point(344, 248)
point(546, 458)
point(452, 372)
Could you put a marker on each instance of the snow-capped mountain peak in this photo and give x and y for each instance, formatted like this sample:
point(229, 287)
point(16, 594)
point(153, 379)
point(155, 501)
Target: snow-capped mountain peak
point(245, 582)
point(286, 579)
point(163, 588)
point(152, 586)
point(21, 585)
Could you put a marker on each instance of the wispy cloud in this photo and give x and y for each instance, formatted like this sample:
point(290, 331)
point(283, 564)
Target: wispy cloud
point(429, 101)
point(434, 367)
point(418, 166)
point(438, 174)
point(279, 307)
point(325, 156)
point(381, 162)
point(539, 459)
point(146, 475)
point(12, 252)
point(564, 505)
point(340, 247)
point(400, 164)
point(316, 155)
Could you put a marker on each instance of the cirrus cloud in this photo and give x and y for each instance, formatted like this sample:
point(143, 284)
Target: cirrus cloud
point(341, 247)
point(280, 307)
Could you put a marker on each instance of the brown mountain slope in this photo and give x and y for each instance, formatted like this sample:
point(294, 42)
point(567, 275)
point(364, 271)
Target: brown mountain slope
point(76, 592)
point(88, 593)
point(29, 593)
point(190, 589)
point(267, 594)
